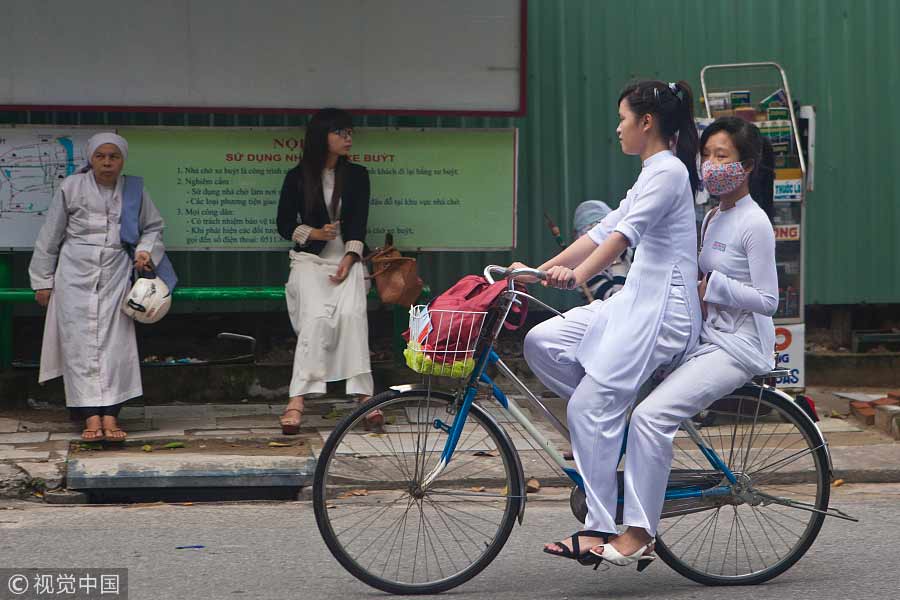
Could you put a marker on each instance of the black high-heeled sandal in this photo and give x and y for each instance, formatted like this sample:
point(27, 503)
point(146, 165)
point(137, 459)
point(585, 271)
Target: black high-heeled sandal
point(575, 553)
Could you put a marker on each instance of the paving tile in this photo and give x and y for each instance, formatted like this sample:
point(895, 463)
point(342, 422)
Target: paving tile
point(828, 425)
point(9, 425)
point(157, 433)
point(247, 422)
point(135, 425)
point(12, 453)
point(160, 423)
point(220, 432)
point(65, 436)
point(49, 426)
point(50, 472)
point(182, 412)
point(132, 413)
point(30, 437)
point(234, 410)
point(858, 396)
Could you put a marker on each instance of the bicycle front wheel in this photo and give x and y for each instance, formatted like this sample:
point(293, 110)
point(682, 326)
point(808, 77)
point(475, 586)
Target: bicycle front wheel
point(391, 527)
point(768, 519)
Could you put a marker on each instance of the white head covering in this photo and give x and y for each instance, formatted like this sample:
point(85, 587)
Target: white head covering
point(98, 140)
point(588, 214)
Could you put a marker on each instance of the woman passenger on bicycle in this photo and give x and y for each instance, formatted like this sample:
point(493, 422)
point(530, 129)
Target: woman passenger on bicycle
point(739, 294)
point(598, 356)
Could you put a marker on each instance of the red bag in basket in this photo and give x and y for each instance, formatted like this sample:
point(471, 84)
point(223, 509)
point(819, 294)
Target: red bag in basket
point(450, 334)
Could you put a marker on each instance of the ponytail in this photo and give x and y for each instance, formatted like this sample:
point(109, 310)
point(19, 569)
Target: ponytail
point(688, 146)
point(673, 106)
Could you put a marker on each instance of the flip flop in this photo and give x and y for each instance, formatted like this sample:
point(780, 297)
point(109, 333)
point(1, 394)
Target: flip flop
point(113, 440)
point(98, 438)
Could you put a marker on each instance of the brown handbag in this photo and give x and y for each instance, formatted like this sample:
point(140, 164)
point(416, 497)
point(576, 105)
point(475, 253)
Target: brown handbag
point(396, 276)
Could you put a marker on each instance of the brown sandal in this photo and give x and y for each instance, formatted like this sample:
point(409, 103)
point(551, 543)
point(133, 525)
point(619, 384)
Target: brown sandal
point(96, 438)
point(114, 439)
point(291, 428)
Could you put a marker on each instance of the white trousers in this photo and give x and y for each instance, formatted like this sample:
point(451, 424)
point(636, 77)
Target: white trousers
point(597, 410)
point(707, 376)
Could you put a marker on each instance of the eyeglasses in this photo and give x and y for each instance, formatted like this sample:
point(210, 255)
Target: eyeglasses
point(344, 133)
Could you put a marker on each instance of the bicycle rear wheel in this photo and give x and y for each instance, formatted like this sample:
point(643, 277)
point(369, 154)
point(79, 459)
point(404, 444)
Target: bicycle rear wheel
point(386, 527)
point(769, 519)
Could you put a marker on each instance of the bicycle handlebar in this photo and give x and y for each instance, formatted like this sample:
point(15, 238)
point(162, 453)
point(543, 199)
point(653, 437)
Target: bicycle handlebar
point(504, 273)
point(512, 274)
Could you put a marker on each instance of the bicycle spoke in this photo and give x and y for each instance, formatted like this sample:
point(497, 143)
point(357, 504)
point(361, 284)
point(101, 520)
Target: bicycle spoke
point(450, 507)
point(456, 520)
point(437, 560)
point(786, 461)
point(676, 542)
point(357, 523)
point(712, 541)
point(451, 531)
point(749, 536)
point(441, 492)
point(386, 531)
point(777, 526)
point(765, 531)
point(389, 533)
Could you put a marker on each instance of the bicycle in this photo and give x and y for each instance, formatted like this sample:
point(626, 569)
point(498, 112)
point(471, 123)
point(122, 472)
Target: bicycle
point(426, 505)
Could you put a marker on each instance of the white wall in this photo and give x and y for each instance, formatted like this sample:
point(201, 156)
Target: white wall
point(294, 54)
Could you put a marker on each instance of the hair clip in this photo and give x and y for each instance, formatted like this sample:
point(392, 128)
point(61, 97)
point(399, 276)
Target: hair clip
point(656, 93)
point(674, 88)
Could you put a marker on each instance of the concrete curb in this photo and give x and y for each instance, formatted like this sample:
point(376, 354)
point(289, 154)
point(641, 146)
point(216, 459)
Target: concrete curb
point(189, 470)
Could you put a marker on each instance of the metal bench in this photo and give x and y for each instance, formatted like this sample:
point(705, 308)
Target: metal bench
point(193, 294)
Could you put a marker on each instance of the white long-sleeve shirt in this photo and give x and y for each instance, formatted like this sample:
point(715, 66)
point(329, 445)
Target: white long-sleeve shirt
point(657, 217)
point(738, 253)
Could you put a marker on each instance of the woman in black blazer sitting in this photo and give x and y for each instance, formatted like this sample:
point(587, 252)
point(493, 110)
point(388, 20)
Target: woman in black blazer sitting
point(323, 209)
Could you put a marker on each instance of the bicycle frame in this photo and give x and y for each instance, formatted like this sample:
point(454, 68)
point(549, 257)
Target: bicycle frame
point(486, 356)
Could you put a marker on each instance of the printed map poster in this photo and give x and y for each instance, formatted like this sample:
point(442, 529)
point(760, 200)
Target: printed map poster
point(218, 189)
point(33, 162)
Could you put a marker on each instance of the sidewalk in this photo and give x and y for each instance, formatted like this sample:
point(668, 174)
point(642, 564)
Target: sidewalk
point(240, 446)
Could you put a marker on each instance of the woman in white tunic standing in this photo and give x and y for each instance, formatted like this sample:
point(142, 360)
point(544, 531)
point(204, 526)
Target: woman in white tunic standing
point(80, 272)
point(598, 356)
point(324, 209)
point(739, 292)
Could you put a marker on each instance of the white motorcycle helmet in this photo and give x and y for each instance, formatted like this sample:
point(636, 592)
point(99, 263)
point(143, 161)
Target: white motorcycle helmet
point(149, 299)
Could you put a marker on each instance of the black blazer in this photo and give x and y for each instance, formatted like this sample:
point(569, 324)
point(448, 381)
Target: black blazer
point(354, 207)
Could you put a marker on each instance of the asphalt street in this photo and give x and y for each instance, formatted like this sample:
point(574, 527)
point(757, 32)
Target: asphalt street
point(273, 551)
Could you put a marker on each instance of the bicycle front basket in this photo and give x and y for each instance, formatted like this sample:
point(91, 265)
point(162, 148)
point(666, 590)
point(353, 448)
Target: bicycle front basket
point(442, 342)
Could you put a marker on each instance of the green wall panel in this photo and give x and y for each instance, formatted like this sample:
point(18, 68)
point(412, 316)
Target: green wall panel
point(840, 55)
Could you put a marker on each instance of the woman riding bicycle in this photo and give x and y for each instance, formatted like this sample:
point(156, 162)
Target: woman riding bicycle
point(739, 295)
point(598, 356)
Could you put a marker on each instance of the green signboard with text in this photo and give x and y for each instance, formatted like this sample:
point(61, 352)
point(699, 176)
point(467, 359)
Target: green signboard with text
point(434, 189)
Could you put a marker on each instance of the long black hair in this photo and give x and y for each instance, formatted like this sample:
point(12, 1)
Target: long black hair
point(753, 148)
point(673, 106)
point(315, 153)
